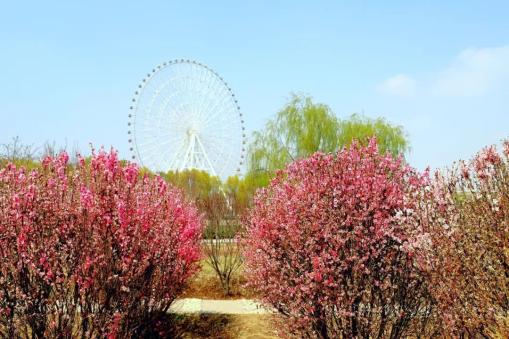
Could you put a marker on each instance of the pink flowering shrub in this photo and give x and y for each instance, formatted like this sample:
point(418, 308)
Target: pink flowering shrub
point(91, 250)
point(330, 245)
point(465, 213)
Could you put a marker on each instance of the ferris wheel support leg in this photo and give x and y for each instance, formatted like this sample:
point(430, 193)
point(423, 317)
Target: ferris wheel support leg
point(187, 159)
point(209, 164)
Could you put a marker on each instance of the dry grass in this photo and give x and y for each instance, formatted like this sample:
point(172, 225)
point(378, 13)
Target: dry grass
point(252, 327)
point(225, 326)
point(206, 285)
point(202, 326)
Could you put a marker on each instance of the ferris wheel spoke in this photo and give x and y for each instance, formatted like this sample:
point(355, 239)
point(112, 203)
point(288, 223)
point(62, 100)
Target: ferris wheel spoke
point(149, 148)
point(203, 99)
point(178, 154)
point(214, 112)
point(217, 150)
point(210, 97)
point(223, 131)
point(164, 144)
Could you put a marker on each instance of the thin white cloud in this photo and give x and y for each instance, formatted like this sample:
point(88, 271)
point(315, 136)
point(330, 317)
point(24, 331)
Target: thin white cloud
point(475, 71)
point(399, 85)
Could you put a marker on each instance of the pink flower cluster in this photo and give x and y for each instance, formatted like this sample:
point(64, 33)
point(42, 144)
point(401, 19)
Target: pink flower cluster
point(330, 244)
point(94, 242)
point(357, 244)
point(465, 214)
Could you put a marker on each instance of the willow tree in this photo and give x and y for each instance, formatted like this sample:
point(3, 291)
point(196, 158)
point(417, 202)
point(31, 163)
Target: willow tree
point(304, 127)
point(390, 138)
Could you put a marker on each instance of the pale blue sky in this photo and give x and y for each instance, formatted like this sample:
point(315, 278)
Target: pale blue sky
point(68, 70)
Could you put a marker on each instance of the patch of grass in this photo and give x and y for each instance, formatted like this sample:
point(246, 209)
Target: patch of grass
point(206, 285)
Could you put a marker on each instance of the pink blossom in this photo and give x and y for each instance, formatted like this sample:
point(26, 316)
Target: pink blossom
point(97, 227)
point(506, 148)
point(465, 171)
point(326, 228)
point(86, 197)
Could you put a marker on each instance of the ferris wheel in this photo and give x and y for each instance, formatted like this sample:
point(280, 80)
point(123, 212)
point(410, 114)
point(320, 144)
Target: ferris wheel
point(185, 116)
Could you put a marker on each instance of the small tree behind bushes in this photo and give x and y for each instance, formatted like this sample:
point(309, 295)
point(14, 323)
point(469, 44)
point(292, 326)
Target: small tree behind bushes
point(329, 245)
point(93, 250)
point(220, 246)
point(221, 203)
point(466, 215)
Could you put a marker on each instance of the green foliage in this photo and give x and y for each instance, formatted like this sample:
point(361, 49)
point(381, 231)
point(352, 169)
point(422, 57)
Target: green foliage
point(299, 129)
point(197, 184)
point(303, 127)
point(145, 171)
point(19, 154)
point(240, 190)
point(200, 186)
point(390, 139)
point(28, 164)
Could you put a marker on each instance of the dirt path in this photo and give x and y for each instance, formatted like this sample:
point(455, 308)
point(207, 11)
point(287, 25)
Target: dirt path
point(205, 306)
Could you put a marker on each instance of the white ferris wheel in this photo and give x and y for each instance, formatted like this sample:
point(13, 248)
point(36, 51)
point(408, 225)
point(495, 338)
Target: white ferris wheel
point(185, 116)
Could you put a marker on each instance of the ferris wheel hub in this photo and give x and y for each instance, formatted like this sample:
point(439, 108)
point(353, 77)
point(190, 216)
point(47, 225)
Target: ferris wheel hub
point(191, 131)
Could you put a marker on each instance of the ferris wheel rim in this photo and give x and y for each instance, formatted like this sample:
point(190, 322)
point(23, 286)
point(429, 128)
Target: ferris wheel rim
point(134, 144)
